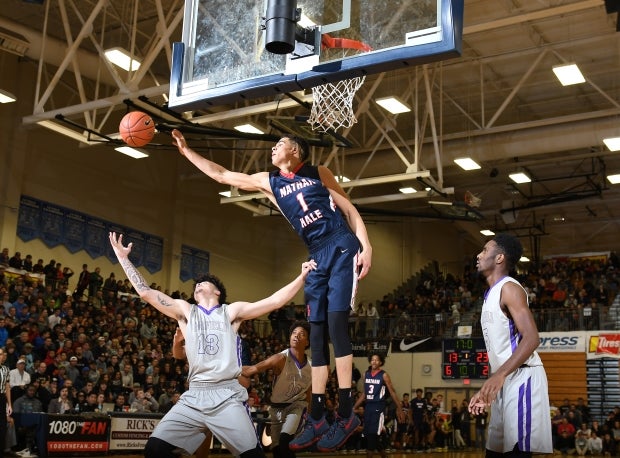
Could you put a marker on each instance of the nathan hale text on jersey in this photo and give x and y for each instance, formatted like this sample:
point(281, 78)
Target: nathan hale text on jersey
point(306, 203)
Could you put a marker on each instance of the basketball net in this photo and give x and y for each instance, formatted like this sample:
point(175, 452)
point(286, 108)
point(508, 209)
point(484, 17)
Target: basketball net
point(332, 106)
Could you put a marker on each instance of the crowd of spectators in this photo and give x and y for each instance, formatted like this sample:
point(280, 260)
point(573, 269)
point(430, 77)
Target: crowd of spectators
point(576, 432)
point(565, 294)
point(94, 337)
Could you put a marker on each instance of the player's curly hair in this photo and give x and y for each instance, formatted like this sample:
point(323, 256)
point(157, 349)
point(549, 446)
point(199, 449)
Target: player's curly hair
point(511, 247)
point(214, 281)
point(300, 324)
point(303, 145)
point(381, 357)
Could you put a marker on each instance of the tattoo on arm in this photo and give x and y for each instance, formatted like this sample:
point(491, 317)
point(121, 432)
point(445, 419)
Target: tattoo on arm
point(136, 279)
point(163, 301)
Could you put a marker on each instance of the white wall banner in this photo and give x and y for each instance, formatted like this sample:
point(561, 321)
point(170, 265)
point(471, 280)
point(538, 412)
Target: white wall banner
point(575, 341)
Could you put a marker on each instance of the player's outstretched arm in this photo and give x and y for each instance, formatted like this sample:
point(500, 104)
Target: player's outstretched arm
point(173, 308)
point(275, 362)
point(357, 225)
point(255, 182)
point(241, 311)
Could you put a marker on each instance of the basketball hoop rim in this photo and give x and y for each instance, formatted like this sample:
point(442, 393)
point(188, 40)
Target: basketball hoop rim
point(329, 42)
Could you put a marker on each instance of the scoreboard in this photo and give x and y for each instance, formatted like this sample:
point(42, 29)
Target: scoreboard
point(464, 358)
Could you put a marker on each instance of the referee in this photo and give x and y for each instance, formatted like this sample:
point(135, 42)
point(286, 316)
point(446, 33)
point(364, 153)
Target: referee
point(5, 400)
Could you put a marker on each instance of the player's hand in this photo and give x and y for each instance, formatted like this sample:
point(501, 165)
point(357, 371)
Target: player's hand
point(364, 260)
point(307, 266)
point(179, 141)
point(476, 405)
point(117, 244)
point(491, 388)
point(244, 381)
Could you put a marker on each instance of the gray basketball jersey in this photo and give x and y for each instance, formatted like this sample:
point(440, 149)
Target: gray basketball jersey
point(501, 336)
point(293, 382)
point(213, 348)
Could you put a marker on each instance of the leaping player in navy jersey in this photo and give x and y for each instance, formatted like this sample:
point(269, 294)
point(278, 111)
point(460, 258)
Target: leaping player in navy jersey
point(317, 207)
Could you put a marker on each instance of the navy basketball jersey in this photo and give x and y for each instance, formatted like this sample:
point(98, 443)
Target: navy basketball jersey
point(374, 386)
point(306, 203)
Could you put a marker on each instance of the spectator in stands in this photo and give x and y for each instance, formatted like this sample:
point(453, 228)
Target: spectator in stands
point(481, 430)
point(95, 282)
point(609, 445)
point(73, 371)
point(595, 427)
point(4, 333)
point(38, 268)
point(110, 287)
point(27, 264)
point(144, 402)
point(120, 403)
point(360, 330)
point(595, 444)
point(90, 404)
point(174, 398)
point(565, 443)
point(4, 281)
point(16, 261)
point(82, 283)
point(19, 379)
point(455, 413)
point(4, 257)
point(50, 274)
point(6, 303)
point(62, 404)
point(372, 317)
point(65, 276)
point(581, 443)
point(25, 425)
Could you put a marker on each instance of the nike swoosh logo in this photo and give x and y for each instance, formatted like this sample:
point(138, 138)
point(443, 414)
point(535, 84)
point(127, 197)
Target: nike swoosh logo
point(406, 347)
point(344, 251)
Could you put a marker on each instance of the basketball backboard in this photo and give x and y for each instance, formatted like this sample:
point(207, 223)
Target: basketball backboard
point(223, 56)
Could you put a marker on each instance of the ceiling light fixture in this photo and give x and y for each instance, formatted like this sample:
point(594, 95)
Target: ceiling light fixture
point(249, 128)
point(342, 179)
point(121, 57)
point(520, 177)
point(467, 163)
point(439, 202)
point(393, 104)
point(13, 43)
point(6, 97)
point(63, 130)
point(614, 179)
point(487, 232)
point(408, 190)
point(133, 152)
point(612, 143)
point(568, 74)
point(524, 259)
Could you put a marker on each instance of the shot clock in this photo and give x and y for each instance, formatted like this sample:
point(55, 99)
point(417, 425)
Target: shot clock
point(464, 358)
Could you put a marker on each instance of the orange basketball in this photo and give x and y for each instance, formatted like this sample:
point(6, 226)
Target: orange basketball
point(137, 128)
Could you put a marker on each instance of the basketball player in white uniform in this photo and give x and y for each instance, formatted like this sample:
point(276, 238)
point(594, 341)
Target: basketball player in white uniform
point(517, 390)
point(290, 391)
point(215, 399)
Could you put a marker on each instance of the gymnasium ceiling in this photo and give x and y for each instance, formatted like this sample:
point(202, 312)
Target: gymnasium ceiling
point(499, 103)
